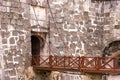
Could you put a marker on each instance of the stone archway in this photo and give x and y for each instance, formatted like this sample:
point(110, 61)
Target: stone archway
point(113, 50)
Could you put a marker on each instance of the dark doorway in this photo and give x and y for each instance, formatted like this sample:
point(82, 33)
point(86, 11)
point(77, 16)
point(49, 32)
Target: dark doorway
point(35, 44)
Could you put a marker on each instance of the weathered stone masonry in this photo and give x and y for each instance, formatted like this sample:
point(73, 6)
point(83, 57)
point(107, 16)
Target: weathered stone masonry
point(15, 36)
point(77, 27)
point(86, 26)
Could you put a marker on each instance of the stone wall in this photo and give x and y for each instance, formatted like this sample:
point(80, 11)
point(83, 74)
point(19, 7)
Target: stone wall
point(77, 27)
point(111, 22)
point(15, 39)
point(82, 27)
point(112, 31)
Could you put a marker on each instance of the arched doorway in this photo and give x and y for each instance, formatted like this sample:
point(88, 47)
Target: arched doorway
point(113, 50)
point(37, 45)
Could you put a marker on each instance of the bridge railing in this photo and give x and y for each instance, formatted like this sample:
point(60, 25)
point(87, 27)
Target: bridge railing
point(41, 61)
point(76, 63)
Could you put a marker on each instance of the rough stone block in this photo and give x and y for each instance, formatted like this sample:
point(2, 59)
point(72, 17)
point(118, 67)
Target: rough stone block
point(92, 9)
point(18, 59)
point(4, 41)
point(9, 65)
point(6, 3)
point(90, 30)
point(75, 38)
point(9, 58)
point(34, 2)
point(13, 21)
point(12, 73)
point(15, 4)
point(85, 14)
point(14, 33)
point(19, 22)
point(17, 10)
point(5, 21)
point(4, 26)
point(23, 1)
point(5, 34)
point(7, 15)
point(15, 0)
point(117, 26)
point(12, 40)
point(3, 9)
point(7, 78)
point(13, 78)
point(81, 22)
point(15, 16)
point(107, 14)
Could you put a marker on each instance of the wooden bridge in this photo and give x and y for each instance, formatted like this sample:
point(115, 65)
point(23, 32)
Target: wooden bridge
point(103, 65)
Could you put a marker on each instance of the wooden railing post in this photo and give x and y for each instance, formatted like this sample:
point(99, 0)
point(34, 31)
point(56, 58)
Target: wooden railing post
point(82, 63)
point(50, 60)
point(98, 62)
point(64, 61)
point(36, 60)
point(114, 63)
point(79, 64)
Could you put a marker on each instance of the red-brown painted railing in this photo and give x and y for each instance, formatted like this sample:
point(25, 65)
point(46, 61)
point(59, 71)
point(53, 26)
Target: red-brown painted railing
point(83, 64)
